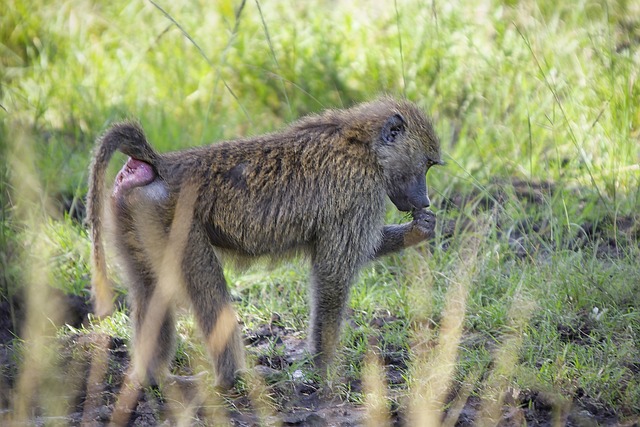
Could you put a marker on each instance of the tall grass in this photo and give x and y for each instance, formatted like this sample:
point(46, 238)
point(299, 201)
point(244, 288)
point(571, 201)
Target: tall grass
point(531, 287)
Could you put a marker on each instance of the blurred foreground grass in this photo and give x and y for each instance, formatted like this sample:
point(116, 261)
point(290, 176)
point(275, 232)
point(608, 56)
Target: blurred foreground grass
point(532, 287)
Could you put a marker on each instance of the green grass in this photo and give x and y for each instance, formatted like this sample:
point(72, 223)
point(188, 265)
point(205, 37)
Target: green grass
point(538, 108)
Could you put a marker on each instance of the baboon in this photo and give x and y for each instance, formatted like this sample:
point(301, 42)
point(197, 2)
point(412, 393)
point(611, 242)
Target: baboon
point(318, 188)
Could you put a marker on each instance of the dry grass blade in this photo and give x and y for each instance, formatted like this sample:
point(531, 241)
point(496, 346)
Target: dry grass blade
point(44, 310)
point(434, 365)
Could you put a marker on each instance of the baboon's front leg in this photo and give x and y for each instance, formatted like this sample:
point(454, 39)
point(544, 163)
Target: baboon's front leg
point(329, 296)
point(334, 267)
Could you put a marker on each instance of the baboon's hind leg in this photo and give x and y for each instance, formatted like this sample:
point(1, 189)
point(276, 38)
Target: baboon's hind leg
point(207, 289)
point(154, 339)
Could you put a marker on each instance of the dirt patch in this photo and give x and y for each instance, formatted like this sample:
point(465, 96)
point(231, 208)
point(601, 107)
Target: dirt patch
point(93, 367)
point(533, 234)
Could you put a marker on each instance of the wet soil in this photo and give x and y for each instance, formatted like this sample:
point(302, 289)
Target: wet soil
point(533, 235)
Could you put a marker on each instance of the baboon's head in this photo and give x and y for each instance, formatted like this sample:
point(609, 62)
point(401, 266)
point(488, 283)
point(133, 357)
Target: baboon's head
point(406, 146)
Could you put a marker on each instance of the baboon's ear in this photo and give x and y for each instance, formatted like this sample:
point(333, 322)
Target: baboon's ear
point(393, 127)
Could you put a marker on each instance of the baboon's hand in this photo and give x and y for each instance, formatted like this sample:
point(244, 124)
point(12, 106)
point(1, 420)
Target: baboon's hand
point(422, 227)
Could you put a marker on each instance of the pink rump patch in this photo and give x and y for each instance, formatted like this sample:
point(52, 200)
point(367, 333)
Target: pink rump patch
point(135, 173)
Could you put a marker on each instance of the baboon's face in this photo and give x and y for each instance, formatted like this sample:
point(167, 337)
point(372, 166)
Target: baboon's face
point(410, 194)
point(408, 147)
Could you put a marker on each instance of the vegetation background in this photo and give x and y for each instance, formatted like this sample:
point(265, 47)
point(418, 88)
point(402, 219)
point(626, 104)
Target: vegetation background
point(527, 303)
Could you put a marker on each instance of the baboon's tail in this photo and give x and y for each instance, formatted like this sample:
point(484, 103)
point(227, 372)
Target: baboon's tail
point(129, 139)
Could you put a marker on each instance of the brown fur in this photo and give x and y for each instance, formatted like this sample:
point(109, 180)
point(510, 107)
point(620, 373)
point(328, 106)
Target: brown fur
point(317, 187)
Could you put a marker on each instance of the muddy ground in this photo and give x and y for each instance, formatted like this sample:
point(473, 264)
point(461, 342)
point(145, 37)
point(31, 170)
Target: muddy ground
point(92, 369)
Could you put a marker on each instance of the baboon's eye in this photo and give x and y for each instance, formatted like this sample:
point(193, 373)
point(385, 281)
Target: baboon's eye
point(393, 127)
point(431, 162)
